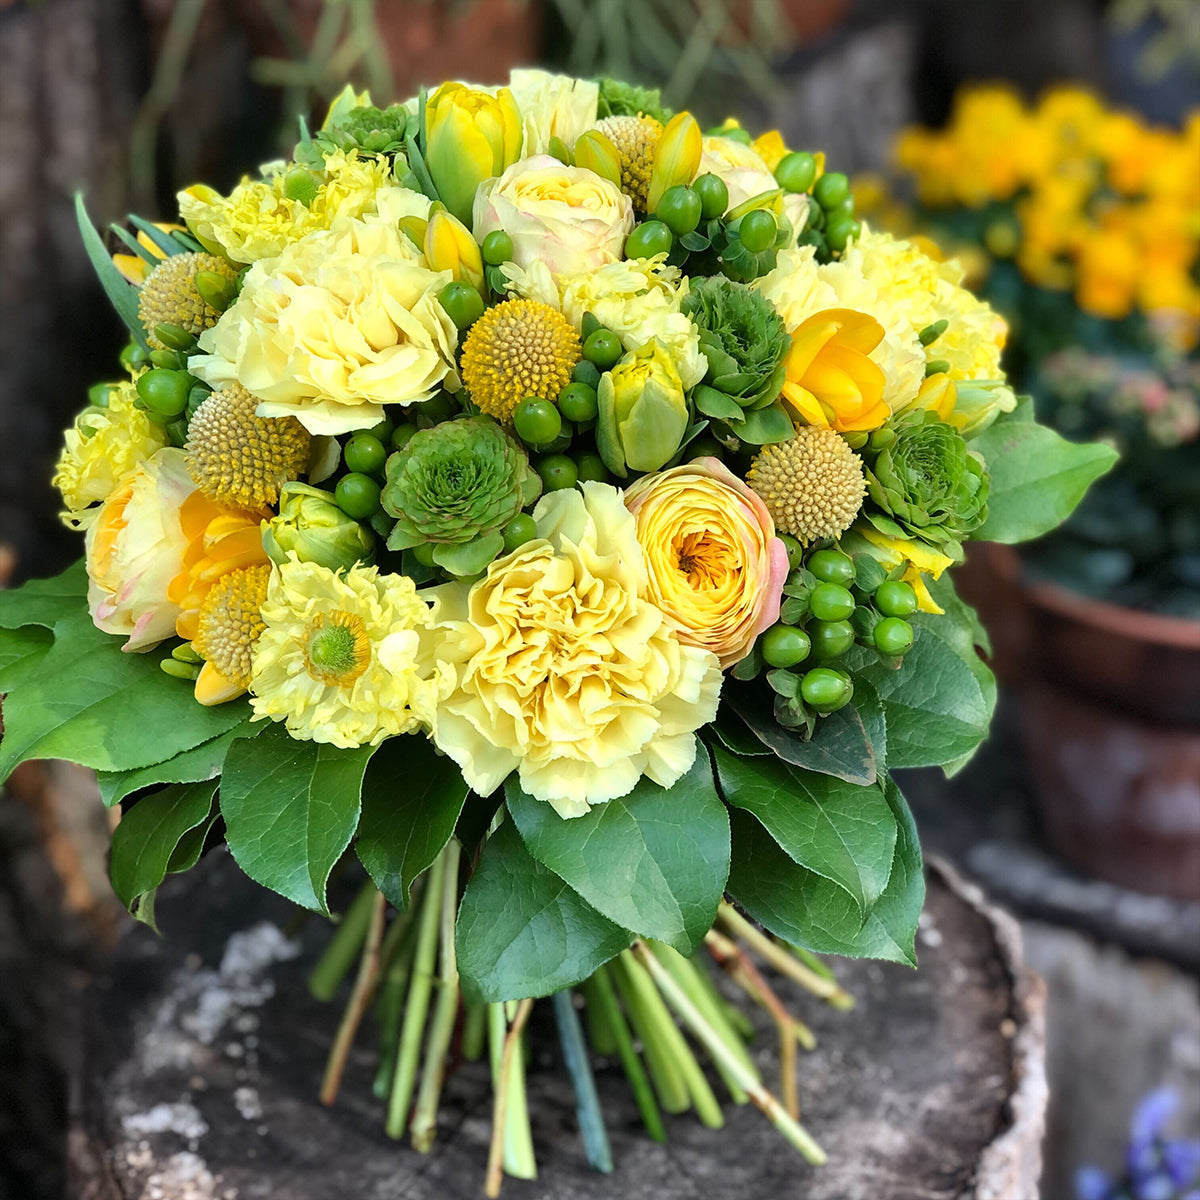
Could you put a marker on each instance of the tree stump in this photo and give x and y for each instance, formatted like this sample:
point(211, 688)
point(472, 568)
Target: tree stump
point(205, 1051)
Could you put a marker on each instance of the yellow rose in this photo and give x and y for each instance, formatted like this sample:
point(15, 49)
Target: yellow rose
point(716, 567)
point(568, 218)
point(565, 672)
point(553, 106)
point(341, 323)
point(102, 448)
point(135, 548)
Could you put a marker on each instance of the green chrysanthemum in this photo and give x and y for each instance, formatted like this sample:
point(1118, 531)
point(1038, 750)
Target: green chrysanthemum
point(619, 99)
point(927, 483)
point(365, 128)
point(456, 486)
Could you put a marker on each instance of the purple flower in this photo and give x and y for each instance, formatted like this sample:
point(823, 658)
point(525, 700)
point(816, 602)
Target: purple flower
point(1091, 1183)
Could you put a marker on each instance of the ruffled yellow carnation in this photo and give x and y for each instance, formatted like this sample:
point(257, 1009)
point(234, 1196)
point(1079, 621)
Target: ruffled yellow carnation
point(338, 325)
point(100, 449)
point(565, 672)
point(257, 219)
point(338, 660)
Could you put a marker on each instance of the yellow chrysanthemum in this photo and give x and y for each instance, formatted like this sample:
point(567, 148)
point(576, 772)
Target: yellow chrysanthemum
point(169, 295)
point(229, 626)
point(101, 449)
point(338, 661)
point(812, 485)
point(635, 139)
point(565, 672)
point(516, 349)
point(241, 460)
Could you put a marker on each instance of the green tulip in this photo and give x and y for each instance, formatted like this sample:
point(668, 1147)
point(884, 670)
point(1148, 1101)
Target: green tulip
point(312, 526)
point(643, 412)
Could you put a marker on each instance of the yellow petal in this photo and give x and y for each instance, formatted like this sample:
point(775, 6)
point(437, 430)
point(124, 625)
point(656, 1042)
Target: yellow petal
point(676, 156)
point(213, 688)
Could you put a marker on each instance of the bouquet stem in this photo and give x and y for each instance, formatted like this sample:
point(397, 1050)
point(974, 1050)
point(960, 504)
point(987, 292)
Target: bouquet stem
point(335, 963)
point(587, 1103)
point(511, 1150)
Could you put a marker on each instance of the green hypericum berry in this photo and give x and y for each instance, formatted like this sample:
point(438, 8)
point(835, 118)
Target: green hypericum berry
point(537, 422)
point(586, 372)
point(757, 230)
point(365, 454)
point(784, 646)
point(893, 636)
point(168, 360)
point(831, 639)
point(590, 468)
point(831, 189)
point(577, 402)
point(134, 356)
point(497, 248)
point(832, 566)
point(648, 239)
point(382, 429)
point(931, 333)
point(825, 689)
point(795, 551)
point(714, 196)
point(841, 230)
point(557, 472)
point(402, 435)
point(164, 392)
point(463, 304)
point(679, 209)
point(357, 495)
point(603, 349)
point(895, 598)
point(796, 171)
point(521, 529)
point(830, 602)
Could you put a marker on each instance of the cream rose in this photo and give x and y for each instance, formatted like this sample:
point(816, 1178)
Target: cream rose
point(715, 566)
point(135, 548)
point(553, 106)
point(567, 217)
point(746, 174)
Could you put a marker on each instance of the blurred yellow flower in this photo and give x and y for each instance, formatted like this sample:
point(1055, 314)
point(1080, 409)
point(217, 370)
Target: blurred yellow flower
point(553, 106)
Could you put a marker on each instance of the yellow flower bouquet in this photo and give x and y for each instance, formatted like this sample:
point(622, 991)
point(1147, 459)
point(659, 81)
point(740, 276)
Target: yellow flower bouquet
point(542, 507)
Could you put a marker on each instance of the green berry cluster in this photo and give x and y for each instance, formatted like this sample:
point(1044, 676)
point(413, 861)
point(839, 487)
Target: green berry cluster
point(831, 225)
point(166, 392)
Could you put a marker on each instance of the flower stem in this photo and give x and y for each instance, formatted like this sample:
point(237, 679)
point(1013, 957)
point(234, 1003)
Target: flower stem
point(795, 1133)
point(441, 1029)
point(587, 1103)
point(736, 1018)
point(506, 1067)
point(600, 992)
point(599, 1029)
point(474, 1032)
point(360, 998)
point(416, 1006)
point(390, 1010)
point(334, 964)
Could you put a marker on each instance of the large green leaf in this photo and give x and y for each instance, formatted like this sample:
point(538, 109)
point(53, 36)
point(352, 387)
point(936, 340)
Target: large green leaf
point(291, 808)
point(843, 832)
point(654, 861)
point(192, 766)
point(805, 908)
point(21, 652)
point(1037, 478)
point(839, 745)
point(150, 834)
point(522, 932)
point(411, 799)
point(46, 601)
point(91, 703)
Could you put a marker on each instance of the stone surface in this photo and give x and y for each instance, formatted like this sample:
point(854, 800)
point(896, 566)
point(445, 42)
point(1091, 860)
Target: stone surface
point(205, 1051)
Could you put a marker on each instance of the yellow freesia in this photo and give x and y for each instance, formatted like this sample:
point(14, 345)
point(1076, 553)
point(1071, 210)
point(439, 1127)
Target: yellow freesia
point(918, 559)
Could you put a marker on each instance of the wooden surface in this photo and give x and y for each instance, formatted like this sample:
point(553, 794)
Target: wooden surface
point(204, 1053)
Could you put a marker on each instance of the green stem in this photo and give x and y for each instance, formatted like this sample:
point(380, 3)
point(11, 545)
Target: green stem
point(810, 960)
point(601, 1035)
point(334, 964)
point(733, 1015)
point(390, 1014)
point(441, 1028)
point(587, 1103)
point(474, 1032)
point(792, 1130)
point(417, 1004)
point(512, 1145)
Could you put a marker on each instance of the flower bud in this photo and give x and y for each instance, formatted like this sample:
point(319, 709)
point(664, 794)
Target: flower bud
point(215, 289)
point(597, 154)
point(449, 246)
point(643, 412)
point(311, 526)
point(676, 157)
point(939, 394)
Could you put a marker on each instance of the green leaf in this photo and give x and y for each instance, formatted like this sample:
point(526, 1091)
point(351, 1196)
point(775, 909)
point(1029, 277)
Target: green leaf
point(765, 425)
point(192, 766)
point(46, 601)
point(713, 403)
point(121, 293)
point(654, 861)
point(733, 733)
point(160, 237)
point(522, 932)
point(150, 833)
point(839, 745)
point(843, 832)
point(291, 808)
point(91, 703)
point(1037, 478)
point(21, 652)
point(411, 800)
point(804, 908)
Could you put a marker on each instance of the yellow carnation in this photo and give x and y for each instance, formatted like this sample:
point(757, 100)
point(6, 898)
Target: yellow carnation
point(338, 659)
point(341, 323)
point(100, 449)
point(565, 672)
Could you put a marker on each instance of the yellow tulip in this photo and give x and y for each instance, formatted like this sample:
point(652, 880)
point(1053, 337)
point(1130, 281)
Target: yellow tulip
point(596, 153)
point(133, 266)
point(676, 157)
point(470, 136)
point(643, 411)
point(449, 246)
point(831, 381)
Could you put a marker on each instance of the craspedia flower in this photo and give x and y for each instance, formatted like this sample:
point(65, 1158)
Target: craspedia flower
point(169, 295)
point(230, 625)
point(516, 349)
point(635, 139)
point(812, 484)
point(239, 459)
